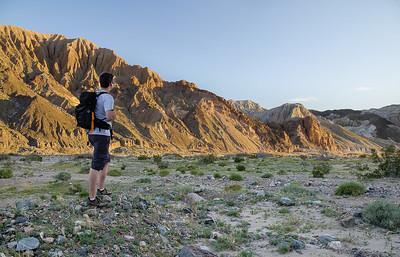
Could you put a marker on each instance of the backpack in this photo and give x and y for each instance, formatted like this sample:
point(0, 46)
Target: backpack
point(84, 112)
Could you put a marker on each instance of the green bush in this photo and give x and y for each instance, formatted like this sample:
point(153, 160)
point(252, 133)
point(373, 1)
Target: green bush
point(241, 167)
point(350, 188)
point(142, 157)
point(208, 159)
point(238, 159)
point(382, 214)
point(390, 162)
point(115, 173)
point(6, 172)
point(164, 173)
point(235, 177)
point(144, 180)
point(233, 188)
point(181, 169)
point(162, 165)
point(267, 175)
point(321, 169)
point(63, 176)
point(217, 175)
point(123, 166)
point(34, 158)
point(157, 158)
point(84, 170)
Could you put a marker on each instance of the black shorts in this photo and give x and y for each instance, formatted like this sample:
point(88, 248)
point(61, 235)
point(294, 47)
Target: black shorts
point(101, 155)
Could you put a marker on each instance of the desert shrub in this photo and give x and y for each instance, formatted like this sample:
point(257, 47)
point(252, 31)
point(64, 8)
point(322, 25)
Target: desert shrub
point(350, 188)
point(162, 165)
point(390, 162)
point(123, 166)
point(63, 176)
point(222, 164)
point(142, 157)
point(362, 167)
point(267, 175)
point(6, 172)
point(84, 170)
point(157, 158)
point(77, 188)
point(241, 167)
point(208, 159)
point(115, 173)
point(149, 171)
point(374, 156)
point(382, 214)
point(238, 159)
point(143, 180)
point(282, 172)
point(196, 172)
point(217, 175)
point(181, 169)
point(4, 157)
point(295, 190)
point(321, 169)
point(164, 173)
point(233, 188)
point(235, 177)
point(33, 158)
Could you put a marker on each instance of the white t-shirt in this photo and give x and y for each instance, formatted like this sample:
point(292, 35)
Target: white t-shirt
point(105, 103)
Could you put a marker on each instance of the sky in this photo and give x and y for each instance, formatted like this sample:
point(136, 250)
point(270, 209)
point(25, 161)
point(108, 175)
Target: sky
point(325, 54)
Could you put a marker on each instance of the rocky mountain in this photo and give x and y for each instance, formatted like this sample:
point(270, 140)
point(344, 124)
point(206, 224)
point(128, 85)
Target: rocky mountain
point(378, 125)
point(305, 127)
point(249, 107)
point(42, 75)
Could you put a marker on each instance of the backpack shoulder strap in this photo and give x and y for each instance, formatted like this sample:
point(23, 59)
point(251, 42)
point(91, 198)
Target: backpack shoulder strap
point(99, 94)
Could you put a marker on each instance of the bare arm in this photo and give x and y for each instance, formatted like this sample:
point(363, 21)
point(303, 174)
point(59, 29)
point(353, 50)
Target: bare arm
point(110, 116)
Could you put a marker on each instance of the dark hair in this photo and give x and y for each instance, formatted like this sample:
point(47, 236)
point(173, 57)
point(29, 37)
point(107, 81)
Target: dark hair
point(105, 79)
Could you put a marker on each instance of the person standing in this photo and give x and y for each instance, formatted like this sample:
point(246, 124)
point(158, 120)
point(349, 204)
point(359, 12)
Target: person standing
point(100, 140)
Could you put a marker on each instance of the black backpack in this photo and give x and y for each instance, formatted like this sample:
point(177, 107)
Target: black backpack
point(84, 112)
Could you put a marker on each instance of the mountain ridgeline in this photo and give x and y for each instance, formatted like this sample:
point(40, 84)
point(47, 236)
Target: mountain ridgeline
point(42, 76)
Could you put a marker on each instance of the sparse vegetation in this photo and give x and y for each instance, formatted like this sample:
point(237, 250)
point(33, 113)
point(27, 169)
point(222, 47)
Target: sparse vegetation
point(63, 176)
point(115, 173)
point(383, 214)
point(143, 180)
point(267, 175)
point(350, 188)
point(217, 175)
point(162, 165)
point(321, 169)
point(6, 172)
point(235, 177)
point(238, 159)
point(208, 159)
point(233, 188)
point(142, 157)
point(157, 158)
point(241, 167)
point(164, 173)
point(33, 158)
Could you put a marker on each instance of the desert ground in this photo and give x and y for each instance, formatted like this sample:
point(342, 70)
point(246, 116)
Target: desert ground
point(238, 205)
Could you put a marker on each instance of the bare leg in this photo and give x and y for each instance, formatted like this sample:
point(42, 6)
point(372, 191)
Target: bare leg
point(103, 175)
point(93, 183)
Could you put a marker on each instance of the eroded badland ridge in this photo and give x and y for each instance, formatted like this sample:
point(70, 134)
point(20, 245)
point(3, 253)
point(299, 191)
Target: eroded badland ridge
point(42, 75)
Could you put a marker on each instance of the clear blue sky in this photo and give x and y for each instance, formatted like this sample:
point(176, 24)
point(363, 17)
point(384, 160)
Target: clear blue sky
point(324, 53)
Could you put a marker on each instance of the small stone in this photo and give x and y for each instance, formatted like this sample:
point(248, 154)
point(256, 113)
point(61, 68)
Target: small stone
point(193, 251)
point(335, 245)
point(117, 249)
point(60, 239)
point(2, 255)
point(129, 238)
point(27, 243)
point(91, 212)
point(286, 201)
point(215, 235)
point(326, 239)
point(78, 208)
point(28, 229)
point(21, 220)
point(77, 229)
point(160, 200)
point(348, 222)
point(24, 204)
point(107, 198)
point(192, 198)
point(12, 245)
point(28, 253)
point(82, 251)
point(162, 229)
point(48, 240)
point(297, 244)
point(142, 244)
point(55, 253)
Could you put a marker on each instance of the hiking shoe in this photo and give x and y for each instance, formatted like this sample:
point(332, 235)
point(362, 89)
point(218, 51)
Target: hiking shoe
point(103, 192)
point(95, 203)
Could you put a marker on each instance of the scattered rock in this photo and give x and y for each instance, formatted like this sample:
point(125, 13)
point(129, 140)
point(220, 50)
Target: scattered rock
point(21, 220)
point(368, 253)
point(326, 239)
point(48, 240)
point(60, 239)
point(82, 251)
point(348, 222)
point(106, 198)
point(335, 245)
point(142, 244)
point(27, 243)
point(215, 235)
point(12, 245)
point(129, 238)
point(24, 204)
point(192, 251)
point(162, 229)
point(91, 212)
point(297, 244)
point(55, 253)
point(192, 198)
point(286, 201)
